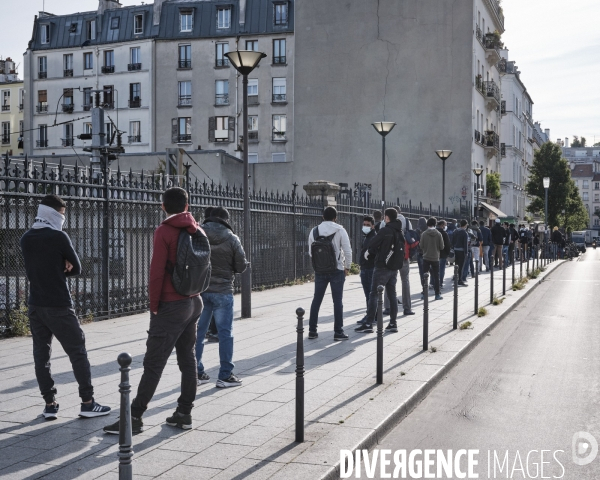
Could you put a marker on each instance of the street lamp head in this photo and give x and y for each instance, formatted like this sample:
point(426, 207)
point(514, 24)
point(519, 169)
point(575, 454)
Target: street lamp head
point(383, 128)
point(443, 154)
point(244, 61)
point(478, 171)
point(546, 182)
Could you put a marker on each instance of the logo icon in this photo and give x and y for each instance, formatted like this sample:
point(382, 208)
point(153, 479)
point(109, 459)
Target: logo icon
point(584, 448)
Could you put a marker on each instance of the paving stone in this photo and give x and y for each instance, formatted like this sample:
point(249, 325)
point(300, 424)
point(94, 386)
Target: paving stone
point(187, 472)
point(158, 461)
point(195, 441)
point(229, 423)
point(252, 435)
point(219, 455)
point(256, 408)
point(247, 468)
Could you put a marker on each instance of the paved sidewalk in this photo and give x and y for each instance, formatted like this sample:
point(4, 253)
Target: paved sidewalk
point(244, 432)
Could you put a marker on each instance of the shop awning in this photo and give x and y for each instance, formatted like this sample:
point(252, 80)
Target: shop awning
point(493, 210)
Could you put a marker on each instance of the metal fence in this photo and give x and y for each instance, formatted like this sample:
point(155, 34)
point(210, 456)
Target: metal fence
point(111, 226)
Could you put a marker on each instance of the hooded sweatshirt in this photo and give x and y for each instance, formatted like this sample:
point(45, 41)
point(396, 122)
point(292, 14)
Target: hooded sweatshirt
point(164, 256)
point(381, 245)
point(341, 242)
point(432, 243)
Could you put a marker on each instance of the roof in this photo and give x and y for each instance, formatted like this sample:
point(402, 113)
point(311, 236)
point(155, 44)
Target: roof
point(494, 210)
point(584, 170)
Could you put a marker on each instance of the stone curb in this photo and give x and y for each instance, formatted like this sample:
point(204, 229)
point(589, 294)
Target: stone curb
point(404, 409)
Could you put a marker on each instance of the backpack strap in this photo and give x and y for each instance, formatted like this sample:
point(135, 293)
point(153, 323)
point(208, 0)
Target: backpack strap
point(316, 233)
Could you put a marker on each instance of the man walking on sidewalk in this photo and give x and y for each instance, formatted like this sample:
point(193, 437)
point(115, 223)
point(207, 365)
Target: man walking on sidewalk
point(476, 245)
point(432, 244)
point(49, 259)
point(173, 319)
point(331, 254)
point(486, 237)
point(227, 257)
point(498, 236)
point(388, 248)
point(441, 227)
point(460, 243)
point(367, 265)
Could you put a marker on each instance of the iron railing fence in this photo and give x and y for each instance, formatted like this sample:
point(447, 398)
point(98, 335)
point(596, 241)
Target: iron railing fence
point(111, 227)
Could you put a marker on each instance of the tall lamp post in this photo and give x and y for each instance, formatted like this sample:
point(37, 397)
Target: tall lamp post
point(383, 128)
point(477, 172)
point(443, 154)
point(546, 187)
point(244, 61)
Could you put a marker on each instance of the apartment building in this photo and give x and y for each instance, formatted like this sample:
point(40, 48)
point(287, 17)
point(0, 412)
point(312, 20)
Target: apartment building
point(585, 172)
point(11, 109)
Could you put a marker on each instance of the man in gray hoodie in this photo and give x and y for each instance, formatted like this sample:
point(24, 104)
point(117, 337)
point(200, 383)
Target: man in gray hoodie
point(432, 244)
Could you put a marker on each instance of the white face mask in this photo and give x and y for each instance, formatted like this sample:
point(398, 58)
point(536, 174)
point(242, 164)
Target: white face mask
point(366, 230)
point(445, 228)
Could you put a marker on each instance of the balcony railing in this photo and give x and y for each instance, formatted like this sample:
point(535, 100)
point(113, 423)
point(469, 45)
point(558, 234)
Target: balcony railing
point(68, 73)
point(134, 138)
point(279, 98)
point(41, 108)
point(492, 41)
point(185, 63)
point(222, 62)
point(135, 102)
point(108, 105)
point(41, 143)
point(222, 99)
point(503, 107)
point(67, 107)
point(5, 140)
point(87, 107)
point(253, 136)
point(479, 137)
point(184, 101)
point(478, 33)
point(108, 69)
point(252, 99)
point(492, 140)
point(503, 149)
point(479, 84)
point(5, 108)
point(42, 75)
point(281, 60)
point(134, 66)
point(492, 90)
point(278, 136)
point(184, 138)
point(67, 142)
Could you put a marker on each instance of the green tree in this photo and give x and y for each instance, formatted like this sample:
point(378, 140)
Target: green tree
point(597, 144)
point(577, 142)
point(492, 186)
point(562, 194)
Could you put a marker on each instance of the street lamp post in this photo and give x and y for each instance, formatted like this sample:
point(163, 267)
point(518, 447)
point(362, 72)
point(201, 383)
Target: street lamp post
point(383, 128)
point(546, 187)
point(477, 172)
point(443, 154)
point(244, 61)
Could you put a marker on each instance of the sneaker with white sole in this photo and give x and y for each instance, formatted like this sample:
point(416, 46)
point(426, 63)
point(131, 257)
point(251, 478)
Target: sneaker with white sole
point(204, 378)
point(180, 420)
point(50, 412)
point(137, 426)
point(232, 381)
point(93, 409)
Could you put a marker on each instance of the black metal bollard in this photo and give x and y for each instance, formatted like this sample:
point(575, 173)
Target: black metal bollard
point(300, 377)
point(521, 264)
point(503, 275)
point(455, 311)
point(125, 438)
point(425, 311)
point(492, 283)
point(380, 290)
point(512, 260)
point(476, 287)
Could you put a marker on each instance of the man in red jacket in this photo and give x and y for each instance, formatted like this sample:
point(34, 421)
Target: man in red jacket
point(173, 319)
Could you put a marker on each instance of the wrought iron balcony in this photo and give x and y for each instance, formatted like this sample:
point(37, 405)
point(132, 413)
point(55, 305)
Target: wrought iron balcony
point(252, 99)
point(185, 63)
point(222, 99)
point(5, 108)
point(5, 140)
point(68, 73)
point(479, 137)
point(492, 92)
point(185, 101)
point(279, 98)
point(479, 84)
point(67, 107)
point(41, 143)
point(491, 140)
point(281, 60)
point(478, 34)
point(135, 102)
point(184, 138)
point(253, 136)
point(134, 138)
point(134, 66)
point(108, 69)
point(87, 107)
point(42, 75)
point(222, 62)
point(492, 43)
point(41, 108)
point(67, 142)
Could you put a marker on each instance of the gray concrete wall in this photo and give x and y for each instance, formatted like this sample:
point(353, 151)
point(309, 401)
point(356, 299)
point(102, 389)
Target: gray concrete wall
point(360, 61)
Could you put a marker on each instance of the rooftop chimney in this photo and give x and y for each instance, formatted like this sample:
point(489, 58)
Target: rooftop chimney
point(104, 5)
point(242, 12)
point(567, 142)
point(157, 10)
point(547, 132)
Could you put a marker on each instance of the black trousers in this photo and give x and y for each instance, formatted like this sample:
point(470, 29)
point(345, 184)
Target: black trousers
point(459, 258)
point(386, 278)
point(62, 323)
point(174, 326)
point(433, 268)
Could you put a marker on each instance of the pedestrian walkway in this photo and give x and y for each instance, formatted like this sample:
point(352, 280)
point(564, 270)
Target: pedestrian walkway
point(248, 431)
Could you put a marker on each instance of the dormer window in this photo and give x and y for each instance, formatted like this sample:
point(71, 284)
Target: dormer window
point(186, 21)
point(90, 30)
point(280, 14)
point(224, 17)
point(138, 24)
point(114, 23)
point(45, 33)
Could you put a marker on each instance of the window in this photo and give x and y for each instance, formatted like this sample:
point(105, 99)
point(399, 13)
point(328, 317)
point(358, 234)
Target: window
point(253, 91)
point(114, 23)
point(181, 130)
point(223, 17)
point(185, 56)
point(586, 196)
point(253, 128)
point(279, 90)
point(185, 22)
point(109, 61)
point(67, 140)
point(252, 157)
point(596, 197)
point(67, 105)
point(185, 94)
point(135, 92)
point(222, 127)
point(252, 45)
point(279, 52)
point(278, 157)
point(45, 34)
point(5, 133)
point(43, 136)
point(42, 106)
point(68, 65)
point(586, 184)
point(108, 96)
point(135, 58)
point(109, 130)
point(280, 16)
point(135, 135)
point(42, 67)
point(90, 30)
point(222, 60)
point(21, 98)
point(596, 221)
point(222, 92)
point(596, 185)
point(87, 98)
point(279, 125)
point(88, 61)
point(138, 24)
point(87, 128)
point(5, 100)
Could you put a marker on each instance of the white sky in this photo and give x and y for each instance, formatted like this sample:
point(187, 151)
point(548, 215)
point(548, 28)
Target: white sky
point(556, 45)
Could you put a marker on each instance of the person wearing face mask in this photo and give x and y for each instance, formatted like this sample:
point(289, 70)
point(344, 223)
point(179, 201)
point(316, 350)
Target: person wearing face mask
point(367, 264)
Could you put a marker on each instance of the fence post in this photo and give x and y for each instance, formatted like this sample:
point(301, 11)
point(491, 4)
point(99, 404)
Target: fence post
point(380, 334)
point(106, 237)
point(455, 310)
point(125, 438)
point(503, 275)
point(512, 261)
point(300, 377)
point(295, 185)
point(521, 263)
point(492, 279)
point(476, 286)
point(425, 311)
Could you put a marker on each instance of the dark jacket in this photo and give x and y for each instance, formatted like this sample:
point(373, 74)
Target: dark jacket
point(477, 232)
point(380, 246)
point(514, 235)
point(557, 237)
point(447, 246)
point(498, 234)
point(486, 236)
point(227, 255)
point(364, 263)
point(460, 240)
point(44, 252)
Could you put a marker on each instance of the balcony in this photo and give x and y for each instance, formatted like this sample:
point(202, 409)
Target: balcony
point(108, 69)
point(252, 99)
point(479, 84)
point(279, 98)
point(6, 108)
point(41, 143)
point(253, 137)
point(503, 107)
point(492, 43)
point(222, 99)
point(491, 142)
point(279, 60)
point(5, 140)
point(41, 108)
point(134, 138)
point(67, 142)
point(222, 62)
point(67, 107)
point(42, 75)
point(184, 101)
point(184, 138)
point(185, 64)
point(135, 102)
point(68, 73)
point(132, 67)
point(278, 136)
point(87, 107)
point(492, 94)
point(478, 34)
point(478, 137)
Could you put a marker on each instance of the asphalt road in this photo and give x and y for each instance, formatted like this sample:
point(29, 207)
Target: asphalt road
point(529, 386)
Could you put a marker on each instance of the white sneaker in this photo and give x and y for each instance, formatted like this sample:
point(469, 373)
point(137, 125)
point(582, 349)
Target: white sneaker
point(204, 378)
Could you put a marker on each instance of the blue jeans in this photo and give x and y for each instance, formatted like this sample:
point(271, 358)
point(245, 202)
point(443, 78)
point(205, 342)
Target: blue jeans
point(366, 277)
point(505, 254)
point(336, 280)
point(468, 258)
point(221, 306)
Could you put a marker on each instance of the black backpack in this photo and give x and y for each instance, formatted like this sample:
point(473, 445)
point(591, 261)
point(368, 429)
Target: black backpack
point(191, 274)
point(395, 257)
point(322, 253)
